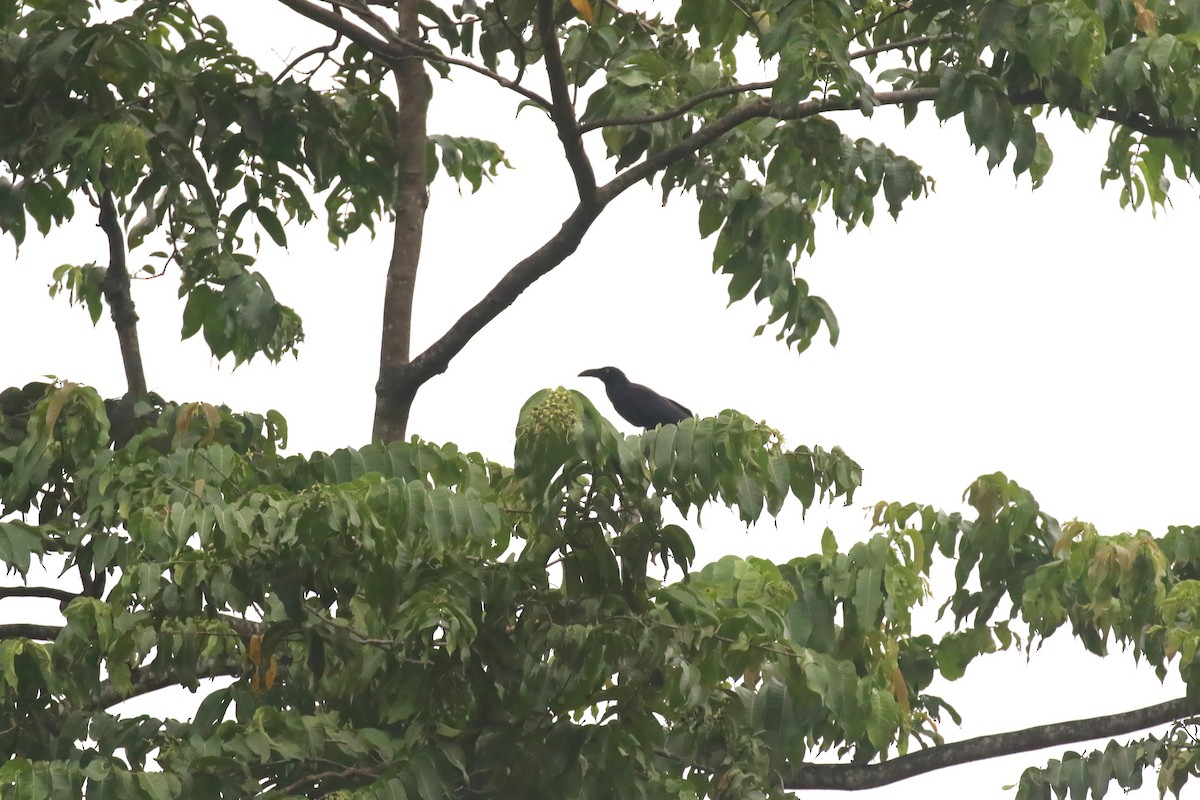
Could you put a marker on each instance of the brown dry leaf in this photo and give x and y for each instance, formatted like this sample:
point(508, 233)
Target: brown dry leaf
point(1145, 21)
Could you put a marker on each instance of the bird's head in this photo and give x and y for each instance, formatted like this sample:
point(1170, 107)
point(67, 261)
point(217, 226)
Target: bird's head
point(605, 374)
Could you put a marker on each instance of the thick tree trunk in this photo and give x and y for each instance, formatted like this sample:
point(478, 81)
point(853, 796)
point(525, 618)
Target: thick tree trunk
point(394, 395)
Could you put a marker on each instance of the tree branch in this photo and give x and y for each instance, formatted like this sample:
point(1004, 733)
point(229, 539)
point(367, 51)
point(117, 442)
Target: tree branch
point(855, 777)
point(437, 356)
point(435, 359)
point(433, 55)
point(1141, 124)
point(528, 94)
point(899, 9)
point(883, 48)
point(394, 48)
point(310, 781)
point(152, 678)
point(754, 109)
point(115, 287)
point(325, 51)
point(401, 378)
point(563, 113)
point(61, 595)
point(1135, 121)
point(244, 628)
point(364, 12)
point(678, 110)
point(25, 630)
point(384, 48)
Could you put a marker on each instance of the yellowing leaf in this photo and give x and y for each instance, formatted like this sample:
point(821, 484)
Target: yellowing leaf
point(190, 411)
point(585, 10)
point(272, 673)
point(255, 650)
point(900, 689)
point(214, 422)
point(56, 405)
point(1145, 21)
point(1071, 531)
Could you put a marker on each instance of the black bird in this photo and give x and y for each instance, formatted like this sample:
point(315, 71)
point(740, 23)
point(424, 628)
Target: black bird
point(638, 404)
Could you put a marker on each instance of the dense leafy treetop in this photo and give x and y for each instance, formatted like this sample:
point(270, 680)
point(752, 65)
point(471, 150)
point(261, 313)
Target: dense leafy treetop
point(203, 151)
point(410, 620)
point(405, 619)
point(196, 142)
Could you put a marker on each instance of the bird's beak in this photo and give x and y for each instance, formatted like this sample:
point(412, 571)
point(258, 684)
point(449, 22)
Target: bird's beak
point(590, 373)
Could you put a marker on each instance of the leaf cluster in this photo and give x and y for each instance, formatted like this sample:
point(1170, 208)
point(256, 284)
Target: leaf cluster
point(411, 620)
point(203, 151)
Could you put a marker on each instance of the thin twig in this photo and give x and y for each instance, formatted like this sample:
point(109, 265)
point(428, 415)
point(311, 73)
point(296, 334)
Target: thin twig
point(522, 48)
point(392, 48)
point(915, 41)
point(325, 50)
point(433, 55)
point(645, 622)
point(241, 492)
point(757, 108)
point(641, 20)
point(348, 772)
point(899, 9)
point(458, 23)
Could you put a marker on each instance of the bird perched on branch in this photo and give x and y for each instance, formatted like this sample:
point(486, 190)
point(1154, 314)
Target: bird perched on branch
point(637, 404)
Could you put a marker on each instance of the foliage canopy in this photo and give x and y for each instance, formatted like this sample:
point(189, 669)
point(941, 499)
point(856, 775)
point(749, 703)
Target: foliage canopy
point(407, 620)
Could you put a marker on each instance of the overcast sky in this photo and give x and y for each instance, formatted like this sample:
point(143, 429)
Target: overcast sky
point(1050, 335)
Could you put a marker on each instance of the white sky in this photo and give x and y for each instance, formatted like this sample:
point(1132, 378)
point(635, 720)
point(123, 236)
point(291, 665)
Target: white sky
point(1047, 334)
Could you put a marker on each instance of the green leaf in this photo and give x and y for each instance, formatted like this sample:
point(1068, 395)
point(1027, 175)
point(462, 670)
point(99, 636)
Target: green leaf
point(868, 594)
point(884, 719)
point(18, 542)
point(271, 225)
point(712, 217)
point(1025, 140)
point(828, 543)
point(212, 709)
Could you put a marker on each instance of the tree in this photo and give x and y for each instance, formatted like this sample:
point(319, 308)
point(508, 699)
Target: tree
point(384, 642)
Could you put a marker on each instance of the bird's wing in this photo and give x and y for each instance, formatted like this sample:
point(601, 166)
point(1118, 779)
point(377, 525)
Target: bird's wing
point(684, 413)
point(645, 407)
